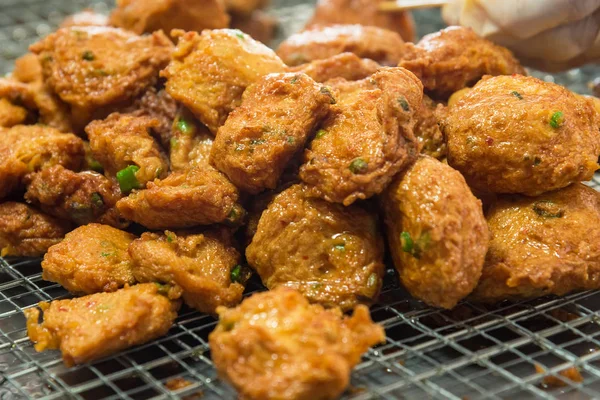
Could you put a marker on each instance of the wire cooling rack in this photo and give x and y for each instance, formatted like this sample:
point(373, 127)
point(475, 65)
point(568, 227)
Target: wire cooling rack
point(471, 352)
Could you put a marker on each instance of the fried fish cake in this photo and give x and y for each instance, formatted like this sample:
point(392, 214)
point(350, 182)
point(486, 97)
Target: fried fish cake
point(11, 114)
point(27, 232)
point(97, 325)
point(362, 12)
point(80, 197)
point(276, 346)
point(346, 65)
point(428, 133)
point(319, 43)
point(366, 138)
point(190, 143)
point(436, 232)
point(205, 266)
point(454, 58)
point(92, 258)
point(542, 245)
point(122, 140)
point(332, 254)
point(91, 67)
point(210, 71)
point(518, 134)
point(37, 99)
point(28, 148)
point(198, 196)
point(28, 69)
point(277, 115)
point(147, 16)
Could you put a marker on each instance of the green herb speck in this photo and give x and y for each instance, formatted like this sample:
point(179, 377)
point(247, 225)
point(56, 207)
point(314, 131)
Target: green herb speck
point(517, 94)
point(557, 119)
point(97, 200)
point(236, 274)
point(88, 55)
point(547, 209)
point(358, 166)
point(290, 140)
point(340, 247)
point(320, 133)
point(185, 127)
point(404, 104)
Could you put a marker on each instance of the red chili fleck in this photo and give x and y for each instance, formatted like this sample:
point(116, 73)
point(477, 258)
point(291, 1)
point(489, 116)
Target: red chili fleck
point(90, 303)
point(61, 308)
point(489, 141)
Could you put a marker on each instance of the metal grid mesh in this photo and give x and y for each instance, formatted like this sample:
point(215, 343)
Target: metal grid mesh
point(471, 352)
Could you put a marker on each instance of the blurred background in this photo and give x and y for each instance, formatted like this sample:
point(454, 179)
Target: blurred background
point(22, 22)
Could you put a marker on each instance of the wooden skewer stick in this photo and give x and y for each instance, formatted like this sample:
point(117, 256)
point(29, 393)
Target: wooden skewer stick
point(402, 5)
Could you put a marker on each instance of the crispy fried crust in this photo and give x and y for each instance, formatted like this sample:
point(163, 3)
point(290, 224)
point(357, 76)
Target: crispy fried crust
point(332, 254)
point(11, 114)
point(437, 233)
point(92, 258)
point(454, 58)
point(37, 98)
point(518, 134)
point(366, 138)
point(95, 326)
point(199, 196)
point(277, 346)
point(318, 43)
point(198, 263)
point(428, 133)
point(210, 71)
point(277, 115)
point(28, 148)
point(91, 67)
point(26, 232)
point(80, 197)
point(542, 245)
point(147, 16)
point(124, 139)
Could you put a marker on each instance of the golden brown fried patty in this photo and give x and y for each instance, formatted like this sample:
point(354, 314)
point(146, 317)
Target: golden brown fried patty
point(454, 58)
point(92, 258)
point(90, 67)
point(210, 71)
point(27, 232)
point(542, 245)
point(518, 134)
point(332, 254)
point(277, 115)
point(28, 148)
point(80, 197)
point(204, 265)
point(199, 196)
point(95, 326)
point(366, 138)
point(436, 231)
point(277, 346)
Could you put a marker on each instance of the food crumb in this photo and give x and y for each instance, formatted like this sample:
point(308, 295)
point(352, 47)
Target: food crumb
point(180, 383)
point(552, 381)
point(563, 315)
